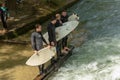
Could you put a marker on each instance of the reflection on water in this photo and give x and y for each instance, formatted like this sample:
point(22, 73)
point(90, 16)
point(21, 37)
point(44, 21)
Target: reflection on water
point(99, 57)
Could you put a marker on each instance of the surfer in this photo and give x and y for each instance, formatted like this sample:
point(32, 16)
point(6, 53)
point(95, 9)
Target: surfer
point(59, 43)
point(52, 36)
point(37, 42)
point(58, 24)
point(51, 32)
point(64, 18)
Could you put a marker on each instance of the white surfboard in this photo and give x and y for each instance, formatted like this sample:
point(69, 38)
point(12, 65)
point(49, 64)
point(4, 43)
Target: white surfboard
point(64, 30)
point(73, 17)
point(43, 56)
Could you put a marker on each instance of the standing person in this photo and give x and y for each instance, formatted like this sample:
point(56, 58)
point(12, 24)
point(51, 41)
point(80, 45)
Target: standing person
point(4, 16)
point(58, 24)
point(37, 42)
point(51, 32)
point(52, 35)
point(59, 43)
point(64, 18)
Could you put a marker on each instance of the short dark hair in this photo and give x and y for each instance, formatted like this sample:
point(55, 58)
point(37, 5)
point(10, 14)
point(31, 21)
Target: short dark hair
point(53, 18)
point(37, 26)
point(64, 11)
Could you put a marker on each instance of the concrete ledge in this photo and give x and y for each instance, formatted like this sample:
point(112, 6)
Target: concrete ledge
point(30, 25)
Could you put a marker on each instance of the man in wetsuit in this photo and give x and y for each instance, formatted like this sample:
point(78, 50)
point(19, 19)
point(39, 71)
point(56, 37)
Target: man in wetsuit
point(52, 36)
point(37, 42)
point(59, 43)
point(4, 16)
point(51, 32)
point(64, 18)
point(58, 24)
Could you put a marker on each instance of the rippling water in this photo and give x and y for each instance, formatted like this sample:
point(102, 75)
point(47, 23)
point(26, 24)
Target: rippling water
point(99, 57)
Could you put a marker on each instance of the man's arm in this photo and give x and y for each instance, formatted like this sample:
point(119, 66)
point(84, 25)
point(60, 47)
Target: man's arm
point(33, 43)
point(43, 39)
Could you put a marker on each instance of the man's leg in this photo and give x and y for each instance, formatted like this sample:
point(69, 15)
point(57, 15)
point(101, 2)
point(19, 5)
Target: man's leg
point(63, 42)
point(41, 69)
point(4, 25)
point(58, 48)
point(66, 39)
point(64, 45)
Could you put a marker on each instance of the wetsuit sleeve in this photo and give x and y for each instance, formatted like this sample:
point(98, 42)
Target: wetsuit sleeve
point(58, 24)
point(43, 39)
point(33, 43)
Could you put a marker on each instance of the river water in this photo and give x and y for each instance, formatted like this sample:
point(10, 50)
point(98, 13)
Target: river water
point(99, 57)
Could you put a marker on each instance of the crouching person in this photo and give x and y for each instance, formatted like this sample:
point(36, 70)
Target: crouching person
point(37, 42)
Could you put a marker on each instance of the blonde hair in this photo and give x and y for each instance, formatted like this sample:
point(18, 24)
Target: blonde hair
point(58, 16)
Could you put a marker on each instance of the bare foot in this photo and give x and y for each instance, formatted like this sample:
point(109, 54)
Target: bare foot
point(66, 48)
point(64, 52)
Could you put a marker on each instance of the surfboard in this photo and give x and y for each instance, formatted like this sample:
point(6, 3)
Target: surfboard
point(74, 17)
point(42, 56)
point(63, 31)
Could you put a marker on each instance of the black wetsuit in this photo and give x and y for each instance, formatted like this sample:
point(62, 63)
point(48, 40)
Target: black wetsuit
point(52, 38)
point(59, 43)
point(64, 18)
point(58, 24)
point(3, 14)
point(64, 40)
point(37, 44)
point(51, 33)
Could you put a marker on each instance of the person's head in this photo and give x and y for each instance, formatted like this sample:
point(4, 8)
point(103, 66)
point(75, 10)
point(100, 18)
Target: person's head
point(64, 13)
point(3, 4)
point(53, 20)
point(38, 28)
point(58, 16)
